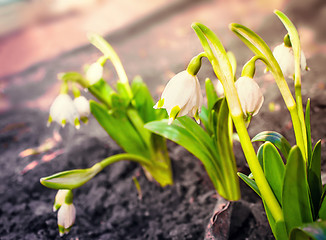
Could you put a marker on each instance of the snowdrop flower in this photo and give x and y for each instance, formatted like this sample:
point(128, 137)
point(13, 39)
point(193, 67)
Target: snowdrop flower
point(94, 73)
point(67, 211)
point(63, 110)
point(181, 96)
point(250, 95)
point(83, 108)
point(285, 58)
point(66, 217)
point(60, 199)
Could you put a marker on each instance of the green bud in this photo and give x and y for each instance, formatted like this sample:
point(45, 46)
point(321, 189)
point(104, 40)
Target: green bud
point(195, 64)
point(287, 41)
point(71, 179)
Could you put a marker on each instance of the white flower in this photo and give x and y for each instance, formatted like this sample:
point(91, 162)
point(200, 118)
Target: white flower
point(285, 58)
point(181, 96)
point(60, 198)
point(250, 95)
point(66, 217)
point(63, 110)
point(83, 108)
point(94, 73)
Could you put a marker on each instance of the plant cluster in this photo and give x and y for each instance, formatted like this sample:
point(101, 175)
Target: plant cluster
point(287, 178)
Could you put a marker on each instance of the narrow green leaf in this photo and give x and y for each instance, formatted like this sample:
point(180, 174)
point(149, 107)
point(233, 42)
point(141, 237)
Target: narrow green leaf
point(295, 195)
point(204, 115)
point(120, 130)
point(274, 169)
point(210, 94)
point(250, 182)
point(308, 128)
point(277, 139)
point(314, 177)
point(310, 231)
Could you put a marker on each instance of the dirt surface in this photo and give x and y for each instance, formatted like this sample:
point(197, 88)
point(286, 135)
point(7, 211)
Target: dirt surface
point(108, 206)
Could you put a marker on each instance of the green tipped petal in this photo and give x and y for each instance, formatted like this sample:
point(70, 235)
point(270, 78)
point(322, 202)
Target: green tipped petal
point(159, 104)
point(63, 122)
point(173, 114)
point(77, 123)
point(196, 116)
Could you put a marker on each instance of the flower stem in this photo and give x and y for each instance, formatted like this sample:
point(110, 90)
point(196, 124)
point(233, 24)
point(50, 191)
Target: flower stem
point(124, 157)
point(223, 70)
point(110, 54)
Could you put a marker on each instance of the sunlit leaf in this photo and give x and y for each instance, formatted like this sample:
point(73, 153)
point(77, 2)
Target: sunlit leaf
point(295, 195)
point(274, 169)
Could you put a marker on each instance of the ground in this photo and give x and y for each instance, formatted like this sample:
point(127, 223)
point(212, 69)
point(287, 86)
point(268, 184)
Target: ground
point(108, 206)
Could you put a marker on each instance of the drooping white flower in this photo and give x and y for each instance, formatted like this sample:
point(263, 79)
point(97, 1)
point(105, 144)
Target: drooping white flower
point(66, 217)
point(250, 95)
point(182, 96)
point(94, 73)
point(83, 108)
point(285, 58)
point(60, 198)
point(63, 110)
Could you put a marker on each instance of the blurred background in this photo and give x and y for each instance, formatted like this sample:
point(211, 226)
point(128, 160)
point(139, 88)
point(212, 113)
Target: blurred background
point(39, 38)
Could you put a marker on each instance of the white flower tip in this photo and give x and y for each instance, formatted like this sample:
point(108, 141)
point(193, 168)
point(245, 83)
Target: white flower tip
point(170, 121)
point(77, 126)
point(198, 120)
point(48, 124)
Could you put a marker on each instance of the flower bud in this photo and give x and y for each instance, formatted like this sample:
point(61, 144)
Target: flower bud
point(83, 108)
point(66, 214)
point(181, 96)
point(94, 73)
point(250, 95)
point(63, 110)
point(285, 58)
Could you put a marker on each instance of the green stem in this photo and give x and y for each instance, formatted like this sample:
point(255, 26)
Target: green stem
point(223, 71)
point(109, 53)
point(124, 157)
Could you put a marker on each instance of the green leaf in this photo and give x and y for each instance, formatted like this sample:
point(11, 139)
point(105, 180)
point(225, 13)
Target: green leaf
point(204, 115)
point(71, 179)
point(250, 182)
point(274, 169)
point(322, 209)
point(308, 128)
point(310, 231)
point(277, 139)
point(210, 94)
point(178, 134)
point(102, 91)
point(144, 102)
point(278, 228)
point(120, 130)
point(260, 155)
point(295, 195)
point(314, 177)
